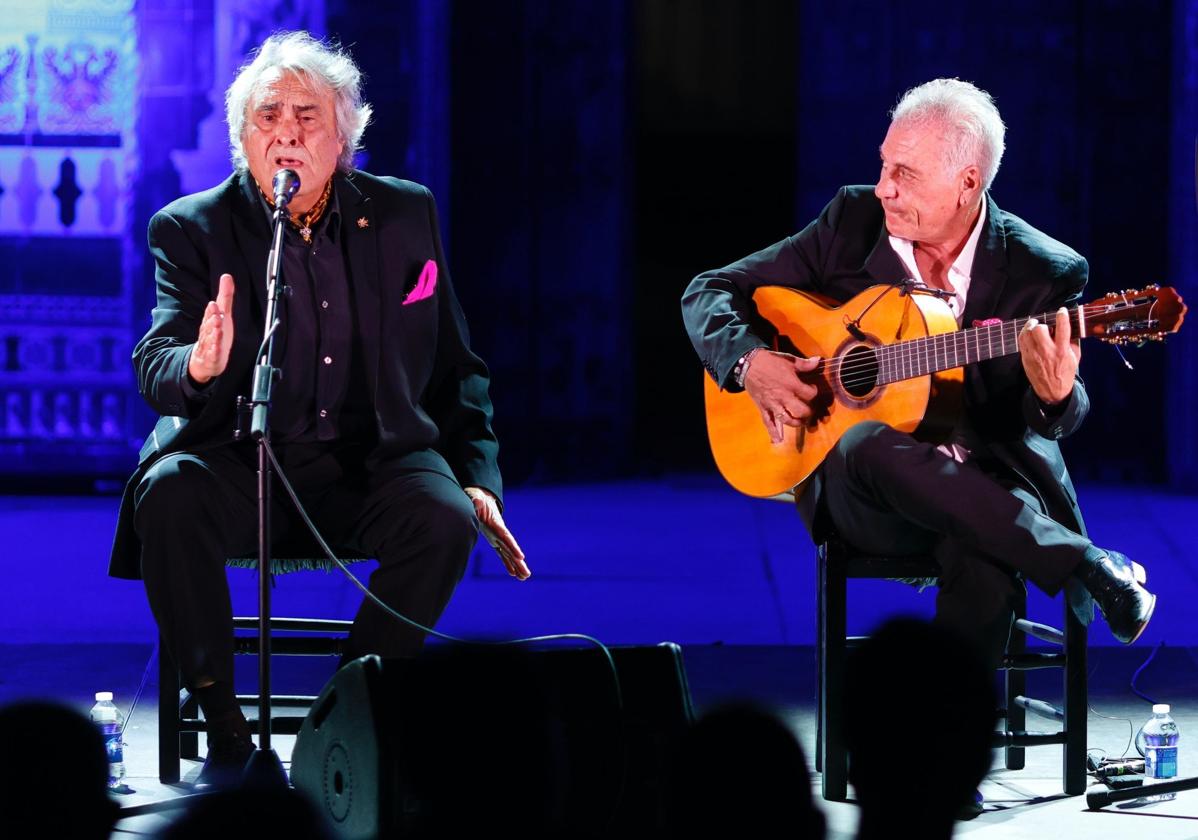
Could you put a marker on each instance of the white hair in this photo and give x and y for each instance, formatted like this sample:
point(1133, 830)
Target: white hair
point(326, 67)
point(967, 117)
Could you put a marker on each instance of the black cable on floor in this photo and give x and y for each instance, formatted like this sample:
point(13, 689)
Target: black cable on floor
point(1132, 685)
point(145, 678)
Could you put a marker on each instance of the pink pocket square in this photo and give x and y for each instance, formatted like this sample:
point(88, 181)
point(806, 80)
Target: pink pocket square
point(426, 285)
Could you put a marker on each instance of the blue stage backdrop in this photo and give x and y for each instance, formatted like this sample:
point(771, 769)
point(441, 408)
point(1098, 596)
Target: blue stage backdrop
point(589, 157)
point(68, 160)
point(1181, 384)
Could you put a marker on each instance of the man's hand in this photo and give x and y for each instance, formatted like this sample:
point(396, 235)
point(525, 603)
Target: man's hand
point(497, 534)
point(210, 354)
point(782, 398)
point(1050, 361)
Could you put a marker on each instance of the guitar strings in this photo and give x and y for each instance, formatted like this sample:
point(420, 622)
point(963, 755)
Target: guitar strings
point(920, 356)
point(919, 349)
point(914, 355)
point(925, 351)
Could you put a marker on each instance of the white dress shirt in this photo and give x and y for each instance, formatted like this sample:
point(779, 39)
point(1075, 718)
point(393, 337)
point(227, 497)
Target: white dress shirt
point(963, 440)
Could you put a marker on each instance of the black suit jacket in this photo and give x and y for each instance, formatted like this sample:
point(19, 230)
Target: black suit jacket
point(1017, 271)
point(430, 391)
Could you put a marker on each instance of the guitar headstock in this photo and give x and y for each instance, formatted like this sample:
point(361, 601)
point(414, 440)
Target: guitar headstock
point(1147, 314)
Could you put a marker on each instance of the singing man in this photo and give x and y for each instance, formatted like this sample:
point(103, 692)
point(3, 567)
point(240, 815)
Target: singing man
point(381, 418)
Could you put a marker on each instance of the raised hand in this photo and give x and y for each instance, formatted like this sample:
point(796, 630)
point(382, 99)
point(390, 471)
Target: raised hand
point(210, 354)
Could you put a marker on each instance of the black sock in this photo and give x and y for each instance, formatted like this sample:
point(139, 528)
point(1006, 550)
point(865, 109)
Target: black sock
point(218, 701)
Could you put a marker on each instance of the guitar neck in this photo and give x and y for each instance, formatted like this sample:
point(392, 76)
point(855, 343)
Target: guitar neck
point(934, 353)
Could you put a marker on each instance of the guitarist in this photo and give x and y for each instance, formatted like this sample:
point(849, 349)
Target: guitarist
point(995, 503)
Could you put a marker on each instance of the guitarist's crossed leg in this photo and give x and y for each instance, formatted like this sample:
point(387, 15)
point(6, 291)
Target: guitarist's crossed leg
point(888, 494)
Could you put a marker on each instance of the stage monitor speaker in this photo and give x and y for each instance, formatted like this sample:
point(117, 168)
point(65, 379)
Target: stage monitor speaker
point(496, 740)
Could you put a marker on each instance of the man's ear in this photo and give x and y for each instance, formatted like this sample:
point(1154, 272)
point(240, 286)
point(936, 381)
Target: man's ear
point(970, 185)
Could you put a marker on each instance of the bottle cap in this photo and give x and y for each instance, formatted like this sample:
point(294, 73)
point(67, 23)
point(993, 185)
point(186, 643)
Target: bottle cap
point(101, 696)
point(1160, 708)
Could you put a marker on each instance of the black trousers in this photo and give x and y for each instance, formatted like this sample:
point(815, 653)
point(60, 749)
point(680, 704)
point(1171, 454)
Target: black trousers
point(889, 494)
point(196, 510)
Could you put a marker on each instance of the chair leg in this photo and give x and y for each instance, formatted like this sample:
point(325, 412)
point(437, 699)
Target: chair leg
point(821, 620)
point(832, 648)
point(1016, 685)
point(1076, 706)
point(819, 696)
point(168, 717)
point(189, 742)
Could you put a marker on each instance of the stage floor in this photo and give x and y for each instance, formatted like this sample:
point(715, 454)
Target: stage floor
point(680, 558)
point(1026, 803)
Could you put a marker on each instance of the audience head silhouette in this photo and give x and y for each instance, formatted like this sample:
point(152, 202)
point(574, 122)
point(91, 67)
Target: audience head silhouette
point(55, 783)
point(740, 772)
point(920, 712)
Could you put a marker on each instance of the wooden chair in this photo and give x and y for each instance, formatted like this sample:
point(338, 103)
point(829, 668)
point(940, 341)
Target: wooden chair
point(179, 723)
point(837, 563)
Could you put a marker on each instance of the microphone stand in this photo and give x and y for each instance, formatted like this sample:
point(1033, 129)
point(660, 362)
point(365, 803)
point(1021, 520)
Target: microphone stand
point(264, 767)
point(1097, 799)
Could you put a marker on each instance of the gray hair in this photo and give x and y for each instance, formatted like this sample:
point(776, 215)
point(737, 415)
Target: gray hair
point(324, 66)
point(967, 117)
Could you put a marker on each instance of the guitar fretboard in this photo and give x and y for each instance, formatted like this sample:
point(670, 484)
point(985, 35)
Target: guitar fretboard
point(934, 353)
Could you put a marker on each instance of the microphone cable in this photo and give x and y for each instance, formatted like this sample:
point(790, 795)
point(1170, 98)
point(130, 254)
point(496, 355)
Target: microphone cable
point(617, 692)
point(333, 558)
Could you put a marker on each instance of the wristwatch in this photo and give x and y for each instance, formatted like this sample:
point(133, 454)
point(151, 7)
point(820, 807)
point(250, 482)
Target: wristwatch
point(742, 367)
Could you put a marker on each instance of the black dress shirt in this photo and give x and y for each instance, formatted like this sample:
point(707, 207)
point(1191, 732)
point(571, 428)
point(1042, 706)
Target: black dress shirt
point(321, 396)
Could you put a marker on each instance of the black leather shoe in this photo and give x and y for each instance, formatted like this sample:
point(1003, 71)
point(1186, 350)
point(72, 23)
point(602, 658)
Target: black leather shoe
point(1115, 584)
point(229, 748)
point(1138, 573)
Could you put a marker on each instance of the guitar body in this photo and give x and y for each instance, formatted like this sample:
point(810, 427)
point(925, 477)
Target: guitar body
point(849, 393)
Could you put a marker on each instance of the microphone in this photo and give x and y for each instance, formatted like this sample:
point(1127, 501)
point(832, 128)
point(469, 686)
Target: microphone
point(1039, 707)
point(286, 184)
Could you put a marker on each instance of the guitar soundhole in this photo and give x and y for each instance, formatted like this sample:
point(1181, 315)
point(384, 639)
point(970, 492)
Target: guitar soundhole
point(859, 371)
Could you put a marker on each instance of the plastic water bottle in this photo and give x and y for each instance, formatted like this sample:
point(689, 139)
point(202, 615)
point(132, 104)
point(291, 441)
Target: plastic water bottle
point(1160, 744)
point(112, 724)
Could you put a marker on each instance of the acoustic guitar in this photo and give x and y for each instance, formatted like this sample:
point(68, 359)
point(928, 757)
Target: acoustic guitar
point(892, 354)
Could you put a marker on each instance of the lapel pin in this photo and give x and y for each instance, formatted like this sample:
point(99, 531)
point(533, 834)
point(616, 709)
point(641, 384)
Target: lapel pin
point(363, 222)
